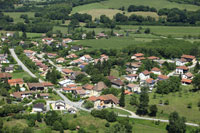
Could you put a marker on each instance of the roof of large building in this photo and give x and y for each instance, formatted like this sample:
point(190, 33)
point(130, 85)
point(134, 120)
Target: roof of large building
point(31, 85)
point(182, 67)
point(15, 81)
point(100, 86)
point(105, 98)
point(188, 56)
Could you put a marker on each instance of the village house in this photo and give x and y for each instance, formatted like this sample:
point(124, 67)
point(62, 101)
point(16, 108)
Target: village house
point(131, 77)
point(67, 71)
point(181, 70)
point(9, 34)
point(71, 56)
point(60, 60)
point(47, 41)
point(44, 95)
point(76, 48)
point(39, 107)
point(59, 105)
point(86, 58)
point(67, 40)
point(99, 87)
point(3, 58)
point(150, 83)
point(47, 85)
point(14, 82)
point(22, 95)
point(134, 66)
point(162, 77)
point(5, 76)
point(144, 75)
point(189, 58)
point(181, 62)
point(137, 55)
point(104, 57)
point(104, 101)
point(76, 62)
point(186, 81)
point(111, 78)
point(3, 38)
point(89, 90)
point(154, 58)
point(35, 86)
point(71, 88)
point(9, 69)
point(133, 88)
point(187, 75)
point(117, 83)
point(51, 55)
point(66, 82)
point(29, 53)
point(156, 71)
point(81, 93)
point(101, 35)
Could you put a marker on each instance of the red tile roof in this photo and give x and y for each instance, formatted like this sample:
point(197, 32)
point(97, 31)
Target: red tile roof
point(126, 92)
point(146, 72)
point(105, 98)
point(15, 81)
point(188, 74)
point(132, 75)
point(188, 56)
point(182, 67)
point(47, 84)
point(163, 76)
point(67, 71)
point(139, 54)
point(131, 85)
point(153, 58)
point(88, 87)
point(155, 69)
point(150, 80)
point(186, 81)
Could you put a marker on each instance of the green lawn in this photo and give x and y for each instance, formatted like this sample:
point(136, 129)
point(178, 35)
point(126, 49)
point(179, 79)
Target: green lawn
point(177, 102)
point(16, 15)
point(20, 75)
point(112, 43)
point(119, 111)
point(116, 4)
point(174, 31)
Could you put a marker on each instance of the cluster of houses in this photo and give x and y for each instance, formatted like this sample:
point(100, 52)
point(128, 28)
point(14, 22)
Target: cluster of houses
point(145, 77)
point(38, 62)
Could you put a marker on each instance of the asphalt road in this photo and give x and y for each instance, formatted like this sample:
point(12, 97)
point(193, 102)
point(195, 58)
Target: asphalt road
point(77, 105)
point(19, 62)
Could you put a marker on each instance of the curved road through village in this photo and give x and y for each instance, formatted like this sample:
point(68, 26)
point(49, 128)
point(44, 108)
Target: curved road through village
point(78, 105)
point(19, 62)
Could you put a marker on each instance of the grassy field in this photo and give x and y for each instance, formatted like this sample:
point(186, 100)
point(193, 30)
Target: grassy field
point(119, 111)
point(20, 75)
point(177, 102)
point(16, 15)
point(174, 31)
point(96, 13)
point(115, 42)
point(116, 4)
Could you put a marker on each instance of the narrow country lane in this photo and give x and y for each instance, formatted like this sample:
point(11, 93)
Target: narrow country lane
point(19, 62)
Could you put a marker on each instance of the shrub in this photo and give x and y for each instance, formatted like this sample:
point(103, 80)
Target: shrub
point(166, 102)
point(107, 124)
point(111, 117)
point(88, 104)
point(189, 105)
